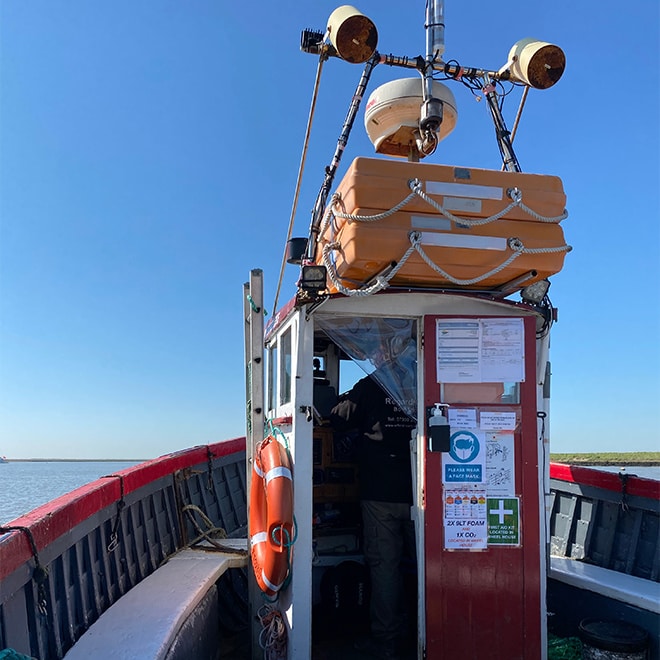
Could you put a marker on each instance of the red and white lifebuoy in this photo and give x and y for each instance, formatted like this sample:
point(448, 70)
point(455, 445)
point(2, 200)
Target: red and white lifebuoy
point(271, 515)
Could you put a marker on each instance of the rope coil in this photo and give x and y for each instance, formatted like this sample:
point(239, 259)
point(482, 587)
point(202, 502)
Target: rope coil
point(272, 637)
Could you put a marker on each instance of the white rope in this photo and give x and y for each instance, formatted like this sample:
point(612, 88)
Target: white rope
point(327, 216)
point(416, 187)
point(381, 282)
point(377, 216)
point(415, 239)
point(516, 197)
point(514, 244)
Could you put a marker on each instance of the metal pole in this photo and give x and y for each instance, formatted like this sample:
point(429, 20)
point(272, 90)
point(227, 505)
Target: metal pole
point(301, 168)
point(331, 170)
point(435, 29)
point(431, 111)
point(449, 69)
point(509, 158)
point(254, 398)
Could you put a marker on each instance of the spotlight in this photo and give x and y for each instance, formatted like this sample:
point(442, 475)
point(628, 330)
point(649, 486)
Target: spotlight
point(312, 278)
point(310, 41)
point(534, 293)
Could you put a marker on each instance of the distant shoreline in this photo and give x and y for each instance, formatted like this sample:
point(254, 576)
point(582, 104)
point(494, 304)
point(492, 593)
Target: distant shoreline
point(77, 460)
point(609, 459)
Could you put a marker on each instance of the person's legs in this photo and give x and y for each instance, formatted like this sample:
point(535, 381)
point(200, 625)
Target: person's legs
point(384, 524)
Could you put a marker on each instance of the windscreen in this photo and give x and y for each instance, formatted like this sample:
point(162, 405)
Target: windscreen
point(384, 348)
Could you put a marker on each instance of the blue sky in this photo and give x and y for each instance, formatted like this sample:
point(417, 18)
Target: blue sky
point(148, 155)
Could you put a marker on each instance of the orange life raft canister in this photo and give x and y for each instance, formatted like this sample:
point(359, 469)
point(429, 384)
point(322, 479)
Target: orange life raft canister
point(271, 515)
point(495, 227)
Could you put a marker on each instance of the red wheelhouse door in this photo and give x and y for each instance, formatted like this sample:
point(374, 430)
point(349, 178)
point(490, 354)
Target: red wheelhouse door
point(482, 504)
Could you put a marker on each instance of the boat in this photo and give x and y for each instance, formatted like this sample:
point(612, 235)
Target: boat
point(64, 565)
point(253, 547)
point(68, 562)
point(3, 459)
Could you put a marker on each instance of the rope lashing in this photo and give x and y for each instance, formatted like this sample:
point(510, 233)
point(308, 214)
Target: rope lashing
point(336, 209)
point(278, 434)
point(283, 532)
point(254, 306)
point(381, 281)
point(514, 244)
point(416, 186)
point(415, 240)
point(623, 477)
point(516, 200)
point(40, 573)
point(371, 218)
point(209, 472)
point(211, 534)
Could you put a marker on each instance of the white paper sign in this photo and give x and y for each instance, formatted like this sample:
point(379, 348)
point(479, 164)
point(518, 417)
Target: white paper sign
point(497, 421)
point(465, 526)
point(466, 535)
point(500, 465)
point(463, 418)
point(457, 351)
point(480, 350)
point(502, 351)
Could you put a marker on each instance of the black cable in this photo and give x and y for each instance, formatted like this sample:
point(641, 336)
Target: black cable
point(547, 311)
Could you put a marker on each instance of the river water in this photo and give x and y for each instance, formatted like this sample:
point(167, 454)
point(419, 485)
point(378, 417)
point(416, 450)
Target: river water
point(645, 471)
point(25, 485)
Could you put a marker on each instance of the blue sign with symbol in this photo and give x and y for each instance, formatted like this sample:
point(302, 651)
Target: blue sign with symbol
point(464, 446)
point(464, 463)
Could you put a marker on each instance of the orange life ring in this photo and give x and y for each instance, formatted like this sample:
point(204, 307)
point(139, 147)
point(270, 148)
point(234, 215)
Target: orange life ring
point(271, 515)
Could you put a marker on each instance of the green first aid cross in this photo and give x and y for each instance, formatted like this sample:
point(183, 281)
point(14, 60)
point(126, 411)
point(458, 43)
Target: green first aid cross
point(503, 515)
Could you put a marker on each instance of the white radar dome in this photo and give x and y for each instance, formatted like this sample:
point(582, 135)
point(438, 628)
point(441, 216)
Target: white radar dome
point(392, 115)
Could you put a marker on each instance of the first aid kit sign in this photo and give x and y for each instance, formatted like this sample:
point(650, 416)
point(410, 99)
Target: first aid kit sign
point(503, 515)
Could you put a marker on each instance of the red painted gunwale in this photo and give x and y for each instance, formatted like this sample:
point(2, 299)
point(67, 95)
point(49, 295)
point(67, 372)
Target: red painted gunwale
point(53, 519)
point(585, 476)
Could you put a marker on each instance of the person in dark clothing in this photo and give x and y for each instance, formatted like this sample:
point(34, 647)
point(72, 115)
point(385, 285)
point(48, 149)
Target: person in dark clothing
point(383, 454)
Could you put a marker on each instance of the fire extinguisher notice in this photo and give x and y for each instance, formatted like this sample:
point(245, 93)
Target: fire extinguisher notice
point(465, 518)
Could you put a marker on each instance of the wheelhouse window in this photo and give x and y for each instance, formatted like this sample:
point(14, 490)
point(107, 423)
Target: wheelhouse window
point(272, 376)
point(285, 367)
point(384, 348)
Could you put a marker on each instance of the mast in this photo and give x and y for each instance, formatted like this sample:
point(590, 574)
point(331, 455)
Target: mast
point(431, 111)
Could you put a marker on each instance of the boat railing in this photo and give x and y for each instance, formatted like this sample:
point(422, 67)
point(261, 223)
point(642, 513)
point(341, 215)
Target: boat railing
point(607, 519)
point(65, 563)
